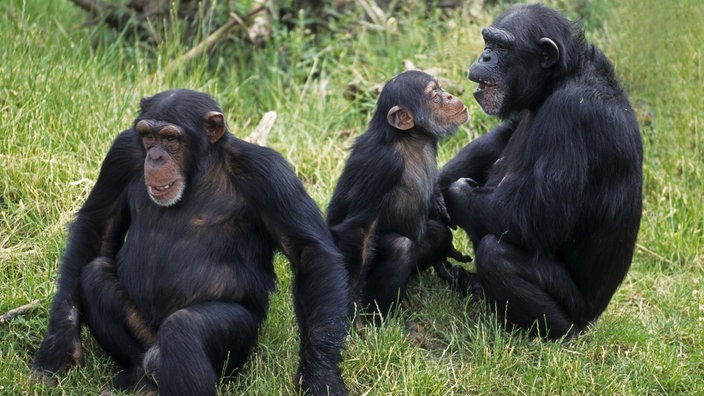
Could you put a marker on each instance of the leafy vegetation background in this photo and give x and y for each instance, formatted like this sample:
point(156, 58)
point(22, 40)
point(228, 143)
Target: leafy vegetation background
point(67, 88)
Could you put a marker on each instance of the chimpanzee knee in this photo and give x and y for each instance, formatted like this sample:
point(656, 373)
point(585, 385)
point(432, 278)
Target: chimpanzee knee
point(195, 344)
point(386, 283)
point(530, 291)
point(105, 310)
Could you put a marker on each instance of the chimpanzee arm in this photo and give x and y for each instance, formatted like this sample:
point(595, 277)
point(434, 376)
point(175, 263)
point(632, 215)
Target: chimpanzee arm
point(537, 203)
point(320, 291)
point(475, 159)
point(98, 230)
point(369, 174)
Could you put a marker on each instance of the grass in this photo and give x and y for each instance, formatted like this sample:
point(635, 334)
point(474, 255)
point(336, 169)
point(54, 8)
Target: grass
point(67, 89)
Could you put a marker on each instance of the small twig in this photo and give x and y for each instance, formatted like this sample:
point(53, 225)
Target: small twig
point(654, 253)
point(375, 14)
point(13, 313)
point(238, 20)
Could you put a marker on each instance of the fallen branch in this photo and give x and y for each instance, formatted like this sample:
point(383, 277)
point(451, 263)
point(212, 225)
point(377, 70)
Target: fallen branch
point(261, 132)
point(211, 40)
point(13, 313)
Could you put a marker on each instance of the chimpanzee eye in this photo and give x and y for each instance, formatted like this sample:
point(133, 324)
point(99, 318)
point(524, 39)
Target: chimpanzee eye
point(438, 95)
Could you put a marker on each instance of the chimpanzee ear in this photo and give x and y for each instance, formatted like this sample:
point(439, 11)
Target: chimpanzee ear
point(214, 126)
point(550, 52)
point(400, 118)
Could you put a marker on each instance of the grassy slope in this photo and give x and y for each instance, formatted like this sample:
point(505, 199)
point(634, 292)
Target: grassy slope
point(62, 101)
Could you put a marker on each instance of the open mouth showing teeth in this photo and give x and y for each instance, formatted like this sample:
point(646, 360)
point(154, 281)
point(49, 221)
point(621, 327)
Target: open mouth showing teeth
point(484, 85)
point(164, 187)
point(166, 194)
point(162, 190)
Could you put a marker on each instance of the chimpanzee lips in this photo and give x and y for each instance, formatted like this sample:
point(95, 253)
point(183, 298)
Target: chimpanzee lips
point(463, 112)
point(490, 96)
point(166, 194)
point(163, 188)
point(159, 191)
point(483, 84)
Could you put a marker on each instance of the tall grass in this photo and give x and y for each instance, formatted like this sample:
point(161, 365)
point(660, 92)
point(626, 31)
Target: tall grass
point(67, 89)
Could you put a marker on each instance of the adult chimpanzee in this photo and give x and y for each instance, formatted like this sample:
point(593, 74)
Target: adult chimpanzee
point(170, 260)
point(551, 198)
point(386, 213)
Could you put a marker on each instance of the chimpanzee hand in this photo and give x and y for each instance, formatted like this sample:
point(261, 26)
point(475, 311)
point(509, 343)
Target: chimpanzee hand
point(60, 350)
point(439, 210)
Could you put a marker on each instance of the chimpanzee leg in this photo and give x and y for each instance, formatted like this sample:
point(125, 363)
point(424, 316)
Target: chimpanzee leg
point(196, 343)
point(532, 290)
point(115, 323)
point(389, 273)
point(109, 314)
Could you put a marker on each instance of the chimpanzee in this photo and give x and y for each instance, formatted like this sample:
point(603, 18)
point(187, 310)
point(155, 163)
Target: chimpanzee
point(551, 198)
point(386, 214)
point(170, 260)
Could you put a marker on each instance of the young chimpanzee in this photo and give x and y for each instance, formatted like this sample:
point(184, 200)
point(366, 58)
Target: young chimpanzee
point(170, 260)
point(386, 214)
point(552, 197)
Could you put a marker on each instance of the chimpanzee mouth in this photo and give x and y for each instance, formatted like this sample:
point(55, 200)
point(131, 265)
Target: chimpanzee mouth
point(483, 84)
point(162, 188)
point(166, 194)
point(490, 95)
point(158, 191)
point(464, 112)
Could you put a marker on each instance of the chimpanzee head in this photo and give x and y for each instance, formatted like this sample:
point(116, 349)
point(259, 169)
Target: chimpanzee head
point(414, 100)
point(176, 127)
point(527, 50)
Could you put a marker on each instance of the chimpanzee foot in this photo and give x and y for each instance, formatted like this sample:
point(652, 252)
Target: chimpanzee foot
point(132, 380)
point(460, 279)
point(458, 256)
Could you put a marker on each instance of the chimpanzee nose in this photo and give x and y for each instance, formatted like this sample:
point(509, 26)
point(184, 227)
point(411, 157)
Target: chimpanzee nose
point(487, 58)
